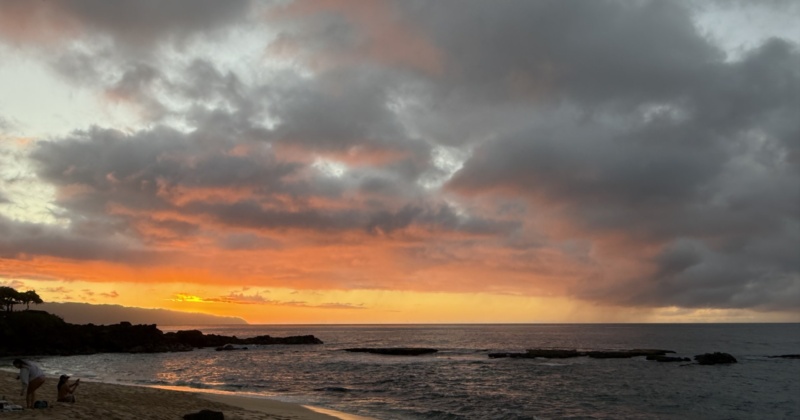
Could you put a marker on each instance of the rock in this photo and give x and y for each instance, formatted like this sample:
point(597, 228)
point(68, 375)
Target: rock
point(651, 352)
point(625, 354)
point(40, 333)
point(205, 415)
point(715, 358)
point(394, 351)
point(229, 347)
point(198, 339)
point(660, 358)
point(267, 340)
point(553, 354)
point(786, 356)
point(568, 353)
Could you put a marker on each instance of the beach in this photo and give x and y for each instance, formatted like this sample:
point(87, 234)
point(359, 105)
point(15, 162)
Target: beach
point(97, 400)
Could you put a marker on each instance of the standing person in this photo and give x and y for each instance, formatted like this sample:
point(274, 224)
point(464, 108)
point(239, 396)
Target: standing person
point(66, 390)
point(31, 377)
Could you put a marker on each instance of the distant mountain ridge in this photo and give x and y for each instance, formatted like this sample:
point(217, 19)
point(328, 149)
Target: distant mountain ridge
point(87, 313)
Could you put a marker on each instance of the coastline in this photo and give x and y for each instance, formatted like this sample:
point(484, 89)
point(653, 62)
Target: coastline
point(107, 400)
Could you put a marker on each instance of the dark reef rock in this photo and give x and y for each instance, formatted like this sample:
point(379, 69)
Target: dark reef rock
point(569, 353)
point(394, 351)
point(786, 356)
point(40, 333)
point(626, 354)
point(197, 339)
point(229, 347)
point(715, 358)
point(552, 354)
point(659, 358)
point(205, 415)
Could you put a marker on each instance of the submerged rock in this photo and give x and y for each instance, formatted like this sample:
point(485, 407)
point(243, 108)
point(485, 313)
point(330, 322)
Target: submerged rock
point(786, 356)
point(715, 358)
point(394, 351)
point(626, 354)
point(229, 347)
point(569, 353)
point(659, 358)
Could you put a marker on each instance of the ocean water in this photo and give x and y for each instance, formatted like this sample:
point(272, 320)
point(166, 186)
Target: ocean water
point(462, 382)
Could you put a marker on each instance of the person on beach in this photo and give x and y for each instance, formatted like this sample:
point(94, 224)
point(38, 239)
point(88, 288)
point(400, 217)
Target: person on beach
point(31, 377)
point(66, 390)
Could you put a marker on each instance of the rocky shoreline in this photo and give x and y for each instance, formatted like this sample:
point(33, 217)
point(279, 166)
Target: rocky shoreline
point(27, 333)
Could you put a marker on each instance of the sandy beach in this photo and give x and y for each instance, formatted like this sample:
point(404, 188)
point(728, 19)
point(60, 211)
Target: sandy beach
point(97, 400)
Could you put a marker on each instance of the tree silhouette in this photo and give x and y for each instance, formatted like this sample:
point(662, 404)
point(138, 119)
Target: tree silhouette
point(30, 297)
point(9, 297)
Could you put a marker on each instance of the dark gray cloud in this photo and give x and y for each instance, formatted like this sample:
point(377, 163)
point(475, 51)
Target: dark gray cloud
point(164, 171)
point(589, 50)
point(339, 110)
point(21, 240)
point(616, 119)
point(142, 21)
point(701, 161)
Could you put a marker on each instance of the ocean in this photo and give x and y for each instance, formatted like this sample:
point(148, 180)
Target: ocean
point(462, 382)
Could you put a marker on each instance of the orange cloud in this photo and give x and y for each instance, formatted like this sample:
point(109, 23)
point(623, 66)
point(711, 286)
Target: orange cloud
point(40, 22)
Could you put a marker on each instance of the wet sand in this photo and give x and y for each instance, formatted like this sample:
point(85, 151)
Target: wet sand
point(97, 400)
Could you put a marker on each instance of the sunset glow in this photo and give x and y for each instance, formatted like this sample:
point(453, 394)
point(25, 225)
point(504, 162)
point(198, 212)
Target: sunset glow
point(404, 162)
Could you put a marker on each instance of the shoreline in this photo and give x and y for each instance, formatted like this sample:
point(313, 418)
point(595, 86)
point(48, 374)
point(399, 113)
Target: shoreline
point(258, 402)
point(124, 401)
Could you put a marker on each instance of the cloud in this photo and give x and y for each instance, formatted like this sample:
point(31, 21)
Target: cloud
point(14, 284)
point(340, 33)
point(697, 170)
point(612, 152)
point(21, 240)
point(129, 22)
point(240, 298)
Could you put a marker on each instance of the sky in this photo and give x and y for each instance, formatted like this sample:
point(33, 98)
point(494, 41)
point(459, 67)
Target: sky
point(375, 161)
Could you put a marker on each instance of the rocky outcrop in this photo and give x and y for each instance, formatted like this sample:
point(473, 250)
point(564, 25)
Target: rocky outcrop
point(552, 354)
point(626, 354)
point(568, 353)
point(786, 356)
point(197, 339)
point(40, 333)
point(394, 351)
point(668, 358)
point(715, 358)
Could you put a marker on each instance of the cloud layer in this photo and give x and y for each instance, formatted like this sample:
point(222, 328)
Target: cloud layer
point(604, 151)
